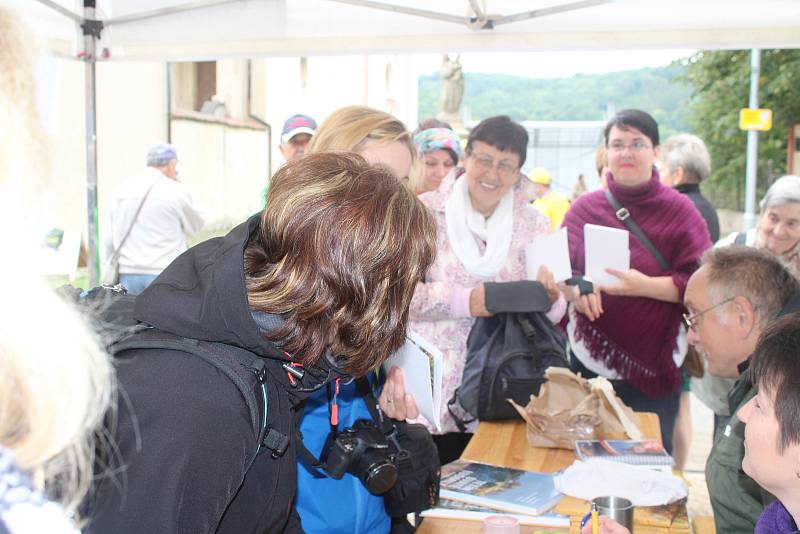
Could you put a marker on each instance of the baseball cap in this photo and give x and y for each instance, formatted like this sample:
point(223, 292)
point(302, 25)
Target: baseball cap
point(161, 154)
point(297, 124)
point(540, 175)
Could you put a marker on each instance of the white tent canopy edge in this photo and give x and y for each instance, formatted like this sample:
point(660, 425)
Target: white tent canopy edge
point(171, 30)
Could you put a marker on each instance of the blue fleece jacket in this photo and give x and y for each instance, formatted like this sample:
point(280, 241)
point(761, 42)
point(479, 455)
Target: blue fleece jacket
point(333, 506)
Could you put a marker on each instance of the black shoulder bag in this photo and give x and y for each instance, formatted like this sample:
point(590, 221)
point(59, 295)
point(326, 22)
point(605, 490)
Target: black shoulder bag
point(624, 216)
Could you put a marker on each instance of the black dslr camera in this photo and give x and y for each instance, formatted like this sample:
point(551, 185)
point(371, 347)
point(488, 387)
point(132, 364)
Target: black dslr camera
point(363, 451)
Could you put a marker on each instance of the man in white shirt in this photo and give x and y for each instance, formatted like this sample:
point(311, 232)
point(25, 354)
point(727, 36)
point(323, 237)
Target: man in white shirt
point(166, 217)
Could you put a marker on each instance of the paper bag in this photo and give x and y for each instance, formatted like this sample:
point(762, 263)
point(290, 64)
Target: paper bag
point(570, 407)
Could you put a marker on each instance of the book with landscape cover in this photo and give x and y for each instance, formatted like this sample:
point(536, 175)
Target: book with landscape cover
point(499, 488)
point(629, 451)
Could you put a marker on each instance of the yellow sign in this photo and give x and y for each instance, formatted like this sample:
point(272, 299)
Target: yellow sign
point(755, 119)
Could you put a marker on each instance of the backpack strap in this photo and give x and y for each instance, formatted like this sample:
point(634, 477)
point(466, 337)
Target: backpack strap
point(266, 436)
point(461, 424)
point(624, 216)
point(740, 239)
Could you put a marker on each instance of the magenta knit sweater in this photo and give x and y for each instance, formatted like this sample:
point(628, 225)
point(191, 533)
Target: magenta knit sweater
point(636, 336)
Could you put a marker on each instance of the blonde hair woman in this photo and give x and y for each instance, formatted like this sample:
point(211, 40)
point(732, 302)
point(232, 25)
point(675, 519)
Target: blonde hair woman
point(377, 136)
point(55, 382)
point(381, 139)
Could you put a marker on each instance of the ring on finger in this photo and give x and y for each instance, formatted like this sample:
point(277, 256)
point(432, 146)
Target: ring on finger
point(389, 401)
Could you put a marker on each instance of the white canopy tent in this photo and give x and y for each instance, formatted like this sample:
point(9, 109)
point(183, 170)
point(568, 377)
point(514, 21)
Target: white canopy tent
point(172, 30)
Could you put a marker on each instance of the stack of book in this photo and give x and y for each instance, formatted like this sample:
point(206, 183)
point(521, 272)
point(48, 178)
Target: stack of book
point(474, 491)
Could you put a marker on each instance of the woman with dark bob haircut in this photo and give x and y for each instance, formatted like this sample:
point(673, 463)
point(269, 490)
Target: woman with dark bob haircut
point(484, 222)
point(630, 331)
point(318, 284)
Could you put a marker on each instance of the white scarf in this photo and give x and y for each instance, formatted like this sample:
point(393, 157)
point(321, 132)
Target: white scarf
point(464, 225)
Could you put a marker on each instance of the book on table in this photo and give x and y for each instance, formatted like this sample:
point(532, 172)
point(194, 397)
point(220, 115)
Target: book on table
point(648, 453)
point(499, 488)
point(450, 509)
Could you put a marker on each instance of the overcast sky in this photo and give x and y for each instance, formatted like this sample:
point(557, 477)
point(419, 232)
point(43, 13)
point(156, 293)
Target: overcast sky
point(555, 64)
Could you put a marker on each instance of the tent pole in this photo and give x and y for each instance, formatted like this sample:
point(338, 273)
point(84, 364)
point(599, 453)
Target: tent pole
point(752, 145)
point(90, 34)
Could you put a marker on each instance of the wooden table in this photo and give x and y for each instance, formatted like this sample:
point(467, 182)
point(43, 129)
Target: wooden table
point(505, 443)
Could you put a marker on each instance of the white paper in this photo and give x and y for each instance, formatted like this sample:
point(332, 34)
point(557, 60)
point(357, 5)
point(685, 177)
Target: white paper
point(605, 248)
point(551, 251)
point(422, 374)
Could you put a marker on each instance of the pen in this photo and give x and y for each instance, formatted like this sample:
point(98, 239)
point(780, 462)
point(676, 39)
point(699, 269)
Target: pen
point(595, 524)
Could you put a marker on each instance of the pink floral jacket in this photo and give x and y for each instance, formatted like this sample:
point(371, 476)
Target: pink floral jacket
point(440, 307)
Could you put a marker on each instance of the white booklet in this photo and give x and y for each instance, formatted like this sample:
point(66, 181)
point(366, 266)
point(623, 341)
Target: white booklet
point(605, 247)
point(421, 363)
point(552, 251)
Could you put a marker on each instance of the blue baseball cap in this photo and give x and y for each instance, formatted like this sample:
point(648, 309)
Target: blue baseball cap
point(297, 124)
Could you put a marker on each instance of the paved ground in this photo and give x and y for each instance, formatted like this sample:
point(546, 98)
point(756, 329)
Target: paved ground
point(703, 423)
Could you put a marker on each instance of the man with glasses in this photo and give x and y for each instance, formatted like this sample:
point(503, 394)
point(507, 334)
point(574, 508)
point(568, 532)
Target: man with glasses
point(730, 300)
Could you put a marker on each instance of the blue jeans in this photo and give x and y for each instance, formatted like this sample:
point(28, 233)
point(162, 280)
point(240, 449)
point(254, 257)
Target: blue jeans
point(136, 283)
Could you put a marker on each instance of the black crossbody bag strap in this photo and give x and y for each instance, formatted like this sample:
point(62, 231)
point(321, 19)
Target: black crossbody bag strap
point(624, 216)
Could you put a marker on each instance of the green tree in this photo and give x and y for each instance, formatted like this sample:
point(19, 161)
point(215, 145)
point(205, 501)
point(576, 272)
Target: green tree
point(720, 86)
point(580, 97)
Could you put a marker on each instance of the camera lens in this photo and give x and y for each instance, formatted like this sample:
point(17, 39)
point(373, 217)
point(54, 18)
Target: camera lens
point(380, 477)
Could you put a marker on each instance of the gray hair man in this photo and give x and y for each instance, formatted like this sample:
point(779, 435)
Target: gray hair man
point(685, 163)
point(730, 299)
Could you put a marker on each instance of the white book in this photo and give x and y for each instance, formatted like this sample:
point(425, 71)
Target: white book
point(552, 251)
point(605, 248)
point(421, 363)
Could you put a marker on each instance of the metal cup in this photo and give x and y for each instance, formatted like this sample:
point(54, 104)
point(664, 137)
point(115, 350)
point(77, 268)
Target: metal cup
point(617, 508)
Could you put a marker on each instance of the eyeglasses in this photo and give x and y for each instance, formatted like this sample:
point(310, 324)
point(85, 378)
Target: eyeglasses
point(691, 320)
point(636, 146)
point(485, 163)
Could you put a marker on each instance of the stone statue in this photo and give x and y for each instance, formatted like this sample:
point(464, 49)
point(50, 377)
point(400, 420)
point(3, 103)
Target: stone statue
point(452, 89)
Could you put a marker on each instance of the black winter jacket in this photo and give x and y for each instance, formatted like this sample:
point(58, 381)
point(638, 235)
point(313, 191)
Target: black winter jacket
point(183, 428)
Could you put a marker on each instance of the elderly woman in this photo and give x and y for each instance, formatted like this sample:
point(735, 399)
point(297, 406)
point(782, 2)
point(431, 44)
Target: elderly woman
point(778, 228)
point(772, 429)
point(327, 505)
point(685, 163)
point(439, 149)
point(484, 222)
point(607, 324)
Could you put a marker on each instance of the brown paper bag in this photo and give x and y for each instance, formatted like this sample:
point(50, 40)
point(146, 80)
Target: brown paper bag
point(569, 408)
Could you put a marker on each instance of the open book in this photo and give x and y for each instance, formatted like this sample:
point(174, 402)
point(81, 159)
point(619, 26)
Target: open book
point(421, 363)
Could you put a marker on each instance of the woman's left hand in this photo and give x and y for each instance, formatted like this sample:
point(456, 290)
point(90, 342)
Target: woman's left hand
point(632, 283)
point(545, 277)
point(394, 401)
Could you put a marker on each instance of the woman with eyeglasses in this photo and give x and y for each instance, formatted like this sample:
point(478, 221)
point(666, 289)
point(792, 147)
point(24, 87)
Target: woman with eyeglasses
point(778, 231)
point(484, 222)
point(631, 331)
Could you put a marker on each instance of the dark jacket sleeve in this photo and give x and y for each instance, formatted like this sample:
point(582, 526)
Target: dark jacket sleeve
point(183, 436)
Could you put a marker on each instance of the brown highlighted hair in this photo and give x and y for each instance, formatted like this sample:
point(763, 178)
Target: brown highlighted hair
point(775, 368)
point(341, 248)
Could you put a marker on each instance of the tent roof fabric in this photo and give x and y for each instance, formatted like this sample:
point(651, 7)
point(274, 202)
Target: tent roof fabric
point(257, 28)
